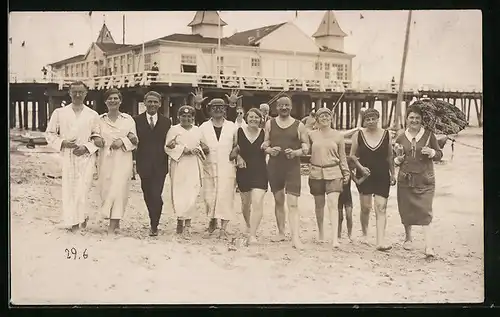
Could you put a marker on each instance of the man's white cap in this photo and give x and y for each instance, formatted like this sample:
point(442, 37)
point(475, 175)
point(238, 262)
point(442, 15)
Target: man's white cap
point(264, 105)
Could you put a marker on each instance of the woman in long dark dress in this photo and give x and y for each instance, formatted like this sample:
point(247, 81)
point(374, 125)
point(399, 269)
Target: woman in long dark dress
point(251, 175)
point(416, 149)
point(371, 151)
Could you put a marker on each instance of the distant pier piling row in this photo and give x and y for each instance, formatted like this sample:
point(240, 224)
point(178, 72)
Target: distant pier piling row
point(31, 104)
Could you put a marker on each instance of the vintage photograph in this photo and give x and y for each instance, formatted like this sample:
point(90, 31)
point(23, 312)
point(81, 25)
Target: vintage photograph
point(246, 157)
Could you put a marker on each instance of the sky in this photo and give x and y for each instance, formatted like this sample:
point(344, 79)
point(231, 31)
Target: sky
point(445, 47)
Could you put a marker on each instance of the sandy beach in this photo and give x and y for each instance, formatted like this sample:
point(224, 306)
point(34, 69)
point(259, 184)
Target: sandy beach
point(132, 268)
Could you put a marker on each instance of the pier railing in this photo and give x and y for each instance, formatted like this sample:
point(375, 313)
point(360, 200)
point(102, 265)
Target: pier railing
point(233, 81)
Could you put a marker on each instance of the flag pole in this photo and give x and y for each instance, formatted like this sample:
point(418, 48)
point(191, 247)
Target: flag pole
point(399, 100)
point(123, 40)
point(218, 43)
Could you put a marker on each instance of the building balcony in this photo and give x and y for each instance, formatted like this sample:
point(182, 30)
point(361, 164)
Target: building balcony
point(257, 83)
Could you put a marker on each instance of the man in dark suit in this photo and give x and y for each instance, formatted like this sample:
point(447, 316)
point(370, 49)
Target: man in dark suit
point(151, 160)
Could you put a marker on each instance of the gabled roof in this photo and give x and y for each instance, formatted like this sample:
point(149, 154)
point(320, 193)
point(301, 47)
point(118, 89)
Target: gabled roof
point(107, 47)
point(251, 37)
point(207, 17)
point(73, 59)
point(330, 50)
point(194, 38)
point(105, 35)
point(329, 26)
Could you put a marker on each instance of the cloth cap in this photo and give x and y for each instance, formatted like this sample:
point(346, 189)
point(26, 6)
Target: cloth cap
point(321, 111)
point(186, 109)
point(217, 102)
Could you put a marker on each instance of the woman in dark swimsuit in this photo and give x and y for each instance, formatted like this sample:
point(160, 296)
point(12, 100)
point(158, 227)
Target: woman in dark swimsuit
point(251, 175)
point(371, 151)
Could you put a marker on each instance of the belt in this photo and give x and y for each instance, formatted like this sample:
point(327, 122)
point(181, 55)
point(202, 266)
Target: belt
point(325, 166)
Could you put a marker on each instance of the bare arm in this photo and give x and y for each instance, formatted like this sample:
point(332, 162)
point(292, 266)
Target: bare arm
point(343, 158)
point(354, 149)
point(267, 130)
point(235, 151)
point(304, 139)
point(390, 156)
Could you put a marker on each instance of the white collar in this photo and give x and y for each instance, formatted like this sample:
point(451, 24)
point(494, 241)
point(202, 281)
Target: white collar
point(155, 116)
point(417, 137)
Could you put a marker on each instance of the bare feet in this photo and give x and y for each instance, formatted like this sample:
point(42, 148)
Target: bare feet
point(278, 238)
point(429, 252)
point(298, 245)
point(335, 245)
point(384, 248)
point(74, 228)
point(251, 240)
point(408, 245)
point(364, 240)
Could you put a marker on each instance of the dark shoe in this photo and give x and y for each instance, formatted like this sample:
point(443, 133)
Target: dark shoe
point(212, 226)
point(153, 232)
point(180, 226)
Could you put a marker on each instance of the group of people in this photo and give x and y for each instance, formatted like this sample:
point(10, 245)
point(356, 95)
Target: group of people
point(219, 149)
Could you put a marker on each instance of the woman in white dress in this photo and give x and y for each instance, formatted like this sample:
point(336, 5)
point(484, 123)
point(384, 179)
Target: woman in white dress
point(184, 146)
point(115, 159)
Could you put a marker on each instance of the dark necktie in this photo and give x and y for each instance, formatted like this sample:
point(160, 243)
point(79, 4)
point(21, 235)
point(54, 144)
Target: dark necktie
point(151, 123)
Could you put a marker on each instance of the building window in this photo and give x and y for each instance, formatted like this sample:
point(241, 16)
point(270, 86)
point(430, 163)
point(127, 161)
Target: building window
point(188, 63)
point(341, 74)
point(220, 65)
point(327, 75)
point(345, 72)
point(147, 61)
point(255, 62)
point(318, 66)
point(327, 67)
point(66, 71)
point(72, 71)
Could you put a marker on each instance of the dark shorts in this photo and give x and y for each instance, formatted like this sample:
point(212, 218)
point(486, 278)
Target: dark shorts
point(284, 174)
point(320, 187)
point(345, 198)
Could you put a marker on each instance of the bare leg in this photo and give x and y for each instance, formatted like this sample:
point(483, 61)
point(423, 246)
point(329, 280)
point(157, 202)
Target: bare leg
point(294, 219)
point(429, 250)
point(407, 245)
point(333, 199)
point(223, 232)
point(341, 220)
point(366, 206)
point(348, 217)
point(256, 214)
point(380, 213)
point(319, 207)
point(279, 211)
point(246, 204)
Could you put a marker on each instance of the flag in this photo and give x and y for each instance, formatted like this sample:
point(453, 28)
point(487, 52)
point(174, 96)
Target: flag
point(71, 44)
point(23, 43)
point(10, 40)
point(361, 16)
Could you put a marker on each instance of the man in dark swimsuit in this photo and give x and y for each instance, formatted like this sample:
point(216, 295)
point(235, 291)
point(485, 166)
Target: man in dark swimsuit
point(285, 141)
